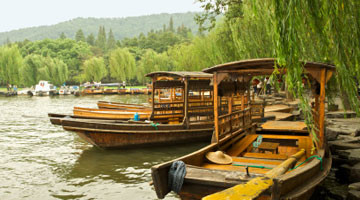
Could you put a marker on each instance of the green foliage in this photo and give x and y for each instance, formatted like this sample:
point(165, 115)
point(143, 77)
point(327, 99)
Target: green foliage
point(121, 27)
point(72, 53)
point(31, 69)
point(62, 36)
point(56, 71)
point(122, 65)
point(215, 8)
point(111, 42)
point(101, 39)
point(152, 61)
point(160, 40)
point(91, 39)
point(79, 36)
point(38, 68)
point(94, 69)
point(10, 63)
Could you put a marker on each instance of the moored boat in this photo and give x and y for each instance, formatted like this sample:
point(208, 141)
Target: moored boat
point(121, 106)
point(185, 116)
point(246, 152)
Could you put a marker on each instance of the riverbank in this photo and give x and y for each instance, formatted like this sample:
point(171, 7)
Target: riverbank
point(127, 90)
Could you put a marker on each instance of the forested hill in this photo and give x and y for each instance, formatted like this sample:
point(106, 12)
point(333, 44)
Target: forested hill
point(121, 27)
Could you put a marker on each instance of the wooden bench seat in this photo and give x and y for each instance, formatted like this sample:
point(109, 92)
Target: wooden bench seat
point(265, 156)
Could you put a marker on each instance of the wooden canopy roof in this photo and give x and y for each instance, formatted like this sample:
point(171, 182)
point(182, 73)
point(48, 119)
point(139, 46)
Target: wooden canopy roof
point(182, 74)
point(260, 66)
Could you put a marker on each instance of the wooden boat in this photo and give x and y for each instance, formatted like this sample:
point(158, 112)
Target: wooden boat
point(92, 89)
point(235, 134)
point(110, 114)
point(177, 120)
point(121, 106)
point(133, 111)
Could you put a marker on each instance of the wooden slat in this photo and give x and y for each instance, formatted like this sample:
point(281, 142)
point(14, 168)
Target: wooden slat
point(284, 126)
point(265, 155)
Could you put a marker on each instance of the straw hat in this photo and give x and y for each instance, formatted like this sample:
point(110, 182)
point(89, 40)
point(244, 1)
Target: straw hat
point(219, 157)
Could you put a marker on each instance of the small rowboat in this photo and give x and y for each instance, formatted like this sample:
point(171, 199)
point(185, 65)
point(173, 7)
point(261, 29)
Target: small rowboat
point(110, 114)
point(279, 160)
point(115, 105)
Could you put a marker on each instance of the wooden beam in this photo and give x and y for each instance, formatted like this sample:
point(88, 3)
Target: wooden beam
point(230, 104)
point(153, 94)
point(322, 107)
point(216, 112)
point(186, 102)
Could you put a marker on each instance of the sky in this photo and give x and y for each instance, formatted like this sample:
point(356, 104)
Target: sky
point(16, 14)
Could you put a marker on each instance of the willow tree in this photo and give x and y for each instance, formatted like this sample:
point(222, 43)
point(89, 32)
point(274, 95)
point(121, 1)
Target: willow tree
point(94, 69)
point(56, 71)
point(30, 72)
point(306, 30)
point(122, 65)
point(152, 61)
point(10, 64)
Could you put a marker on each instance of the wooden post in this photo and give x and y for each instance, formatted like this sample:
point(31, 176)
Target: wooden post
point(230, 103)
point(152, 97)
point(216, 112)
point(243, 101)
point(322, 107)
point(186, 102)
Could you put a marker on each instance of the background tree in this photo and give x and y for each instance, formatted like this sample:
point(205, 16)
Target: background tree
point(122, 64)
point(62, 36)
point(101, 39)
point(79, 36)
point(31, 69)
point(111, 42)
point(10, 63)
point(72, 53)
point(94, 69)
point(171, 25)
point(90, 39)
point(152, 61)
point(56, 71)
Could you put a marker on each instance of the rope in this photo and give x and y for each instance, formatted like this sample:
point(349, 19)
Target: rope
point(177, 173)
point(311, 157)
point(155, 125)
point(263, 167)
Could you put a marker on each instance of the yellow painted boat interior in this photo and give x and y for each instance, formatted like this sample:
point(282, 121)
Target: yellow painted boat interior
point(243, 153)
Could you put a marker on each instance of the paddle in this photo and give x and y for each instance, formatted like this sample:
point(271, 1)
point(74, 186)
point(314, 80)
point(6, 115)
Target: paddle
point(255, 187)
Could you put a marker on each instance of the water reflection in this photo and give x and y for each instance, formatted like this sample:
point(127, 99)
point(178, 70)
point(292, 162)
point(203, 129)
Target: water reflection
point(125, 166)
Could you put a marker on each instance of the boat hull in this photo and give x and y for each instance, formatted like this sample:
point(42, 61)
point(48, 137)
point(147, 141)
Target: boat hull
point(130, 139)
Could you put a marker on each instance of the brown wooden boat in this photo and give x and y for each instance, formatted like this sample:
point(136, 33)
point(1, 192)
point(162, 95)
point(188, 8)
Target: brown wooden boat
point(187, 115)
point(121, 106)
point(110, 114)
point(56, 119)
point(255, 152)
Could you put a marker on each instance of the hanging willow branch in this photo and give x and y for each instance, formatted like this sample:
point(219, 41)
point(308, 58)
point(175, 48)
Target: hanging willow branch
point(324, 31)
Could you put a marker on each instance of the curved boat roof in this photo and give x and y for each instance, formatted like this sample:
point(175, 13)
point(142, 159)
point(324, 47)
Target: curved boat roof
point(184, 74)
point(259, 65)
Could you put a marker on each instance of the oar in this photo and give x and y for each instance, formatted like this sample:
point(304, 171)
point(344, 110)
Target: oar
point(255, 187)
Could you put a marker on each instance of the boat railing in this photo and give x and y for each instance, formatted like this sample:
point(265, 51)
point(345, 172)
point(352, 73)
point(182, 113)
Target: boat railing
point(170, 111)
point(257, 109)
point(234, 121)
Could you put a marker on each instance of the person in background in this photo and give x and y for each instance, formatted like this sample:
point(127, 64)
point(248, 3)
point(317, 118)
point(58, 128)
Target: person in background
point(255, 83)
point(268, 85)
point(259, 87)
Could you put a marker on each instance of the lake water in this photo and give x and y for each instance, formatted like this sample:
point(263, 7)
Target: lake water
point(41, 161)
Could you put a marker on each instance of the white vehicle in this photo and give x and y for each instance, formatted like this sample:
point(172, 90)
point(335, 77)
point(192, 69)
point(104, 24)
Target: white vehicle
point(44, 88)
